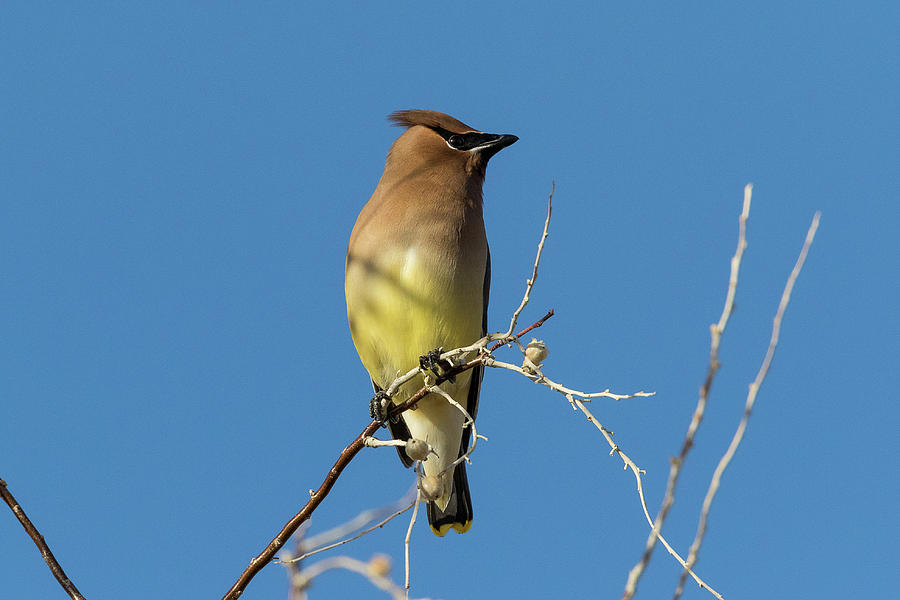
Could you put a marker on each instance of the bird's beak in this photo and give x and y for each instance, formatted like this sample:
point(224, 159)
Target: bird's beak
point(498, 143)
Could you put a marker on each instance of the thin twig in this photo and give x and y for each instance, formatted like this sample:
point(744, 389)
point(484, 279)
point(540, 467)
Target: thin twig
point(379, 564)
point(412, 521)
point(410, 402)
point(501, 339)
point(716, 331)
point(264, 557)
point(378, 525)
point(537, 376)
point(748, 406)
point(374, 442)
point(529, 284)
point(357, 566)
point(519, 335)
point(637, 471)
point(469, 422)
point(39, 541)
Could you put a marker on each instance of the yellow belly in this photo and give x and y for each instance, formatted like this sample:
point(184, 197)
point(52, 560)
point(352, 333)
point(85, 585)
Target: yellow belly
point(400, 306)
point(404, 305)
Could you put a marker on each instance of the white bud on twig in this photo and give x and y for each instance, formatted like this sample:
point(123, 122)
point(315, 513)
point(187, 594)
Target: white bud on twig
point(535, 353)
point(417, 449)
point(431, 487)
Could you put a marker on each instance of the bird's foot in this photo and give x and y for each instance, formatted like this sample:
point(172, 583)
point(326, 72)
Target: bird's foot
point(379, 407)
point(432, 362)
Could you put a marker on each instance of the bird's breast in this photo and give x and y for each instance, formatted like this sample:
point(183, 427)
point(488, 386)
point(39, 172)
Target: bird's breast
point(406, 299)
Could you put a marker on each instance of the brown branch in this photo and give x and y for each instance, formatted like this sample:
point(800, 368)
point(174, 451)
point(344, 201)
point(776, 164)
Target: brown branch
point(347, 454)
point(38, 540)
point(291, 526)
point(534, 325)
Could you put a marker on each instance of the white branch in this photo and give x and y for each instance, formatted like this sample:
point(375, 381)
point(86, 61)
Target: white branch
point(751, 399)
point(529, 284)
point(469, 422)
point(537, 376)
point(716, 331)
point(288, 560)
point(629, 464)
point(412, 521)
point(357, 566)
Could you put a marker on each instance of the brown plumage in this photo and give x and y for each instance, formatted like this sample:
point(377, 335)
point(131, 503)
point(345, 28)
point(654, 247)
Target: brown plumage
point(417, 278)
point(428, 118)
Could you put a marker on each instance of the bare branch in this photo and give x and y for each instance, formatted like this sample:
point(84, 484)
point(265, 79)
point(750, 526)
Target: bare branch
point(529, 284)
point(638, 472)
point(452, 372)
point(748, 406)
point(379, 525)
point(39, 541)
point(263, 558)
point(369, 570)
point(469, 422)
point(412, 521)
point(537, 376)
point(716, 331)
point(374, 442)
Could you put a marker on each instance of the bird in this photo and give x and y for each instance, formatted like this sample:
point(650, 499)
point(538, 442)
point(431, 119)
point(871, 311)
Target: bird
point(417, 280)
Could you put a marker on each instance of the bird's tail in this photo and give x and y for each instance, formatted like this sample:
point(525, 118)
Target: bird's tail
point(458, 513)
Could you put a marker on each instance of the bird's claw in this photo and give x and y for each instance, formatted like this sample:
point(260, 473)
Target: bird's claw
point(379, 408)
point(432, 362)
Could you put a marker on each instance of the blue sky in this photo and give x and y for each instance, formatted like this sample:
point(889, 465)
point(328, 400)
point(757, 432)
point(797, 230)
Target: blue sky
point(178, 185)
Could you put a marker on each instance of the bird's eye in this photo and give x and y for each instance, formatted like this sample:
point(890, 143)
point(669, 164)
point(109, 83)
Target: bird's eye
point(456, 141)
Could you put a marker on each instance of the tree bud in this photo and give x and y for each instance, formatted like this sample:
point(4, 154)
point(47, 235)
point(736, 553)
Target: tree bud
point(431, 487)
point(535, 352)
point(417, 449)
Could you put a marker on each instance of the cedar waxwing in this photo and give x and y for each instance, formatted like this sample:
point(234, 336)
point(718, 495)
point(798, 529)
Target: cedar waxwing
point(417, 278)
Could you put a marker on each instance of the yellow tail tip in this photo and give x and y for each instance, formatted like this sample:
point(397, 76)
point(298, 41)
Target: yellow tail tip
point(458, 527)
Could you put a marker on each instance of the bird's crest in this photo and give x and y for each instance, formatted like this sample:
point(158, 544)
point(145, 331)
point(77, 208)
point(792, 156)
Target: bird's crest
point(428, 118)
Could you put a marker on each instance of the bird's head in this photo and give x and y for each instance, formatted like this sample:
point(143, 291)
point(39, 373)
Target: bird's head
point(435, 140)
